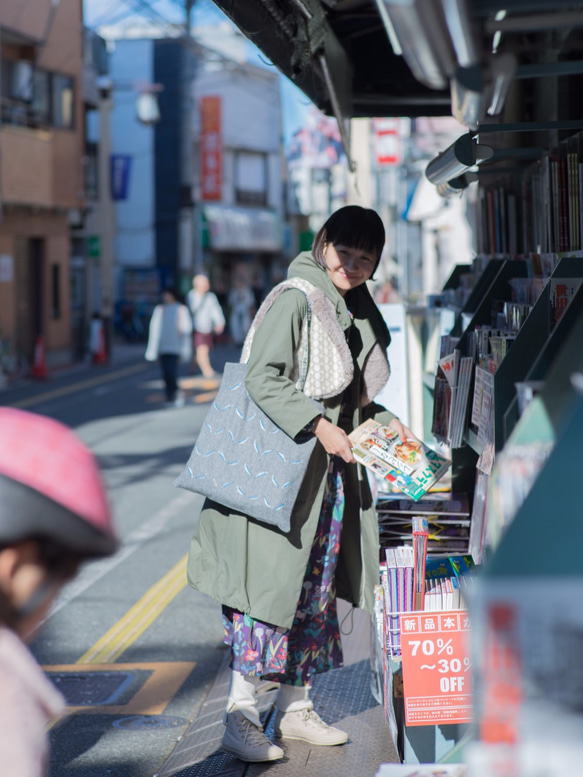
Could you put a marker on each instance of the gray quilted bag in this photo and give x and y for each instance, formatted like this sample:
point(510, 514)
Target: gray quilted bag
point(242, 460)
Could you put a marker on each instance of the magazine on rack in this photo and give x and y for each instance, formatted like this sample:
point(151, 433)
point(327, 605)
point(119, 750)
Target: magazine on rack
point(410, 466)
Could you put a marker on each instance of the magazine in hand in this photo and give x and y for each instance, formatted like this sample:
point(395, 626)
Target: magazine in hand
point(410, 466)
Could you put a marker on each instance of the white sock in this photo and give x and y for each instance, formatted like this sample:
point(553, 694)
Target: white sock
point(292, 698)
point(242, 696)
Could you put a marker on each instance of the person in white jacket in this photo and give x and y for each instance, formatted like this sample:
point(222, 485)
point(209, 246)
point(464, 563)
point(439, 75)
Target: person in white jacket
point(169, 341)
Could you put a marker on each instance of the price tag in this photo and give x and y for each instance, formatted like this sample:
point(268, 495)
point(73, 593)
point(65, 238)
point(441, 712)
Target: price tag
point(436, 667)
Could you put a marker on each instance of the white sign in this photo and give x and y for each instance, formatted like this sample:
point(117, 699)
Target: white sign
point(395, 395)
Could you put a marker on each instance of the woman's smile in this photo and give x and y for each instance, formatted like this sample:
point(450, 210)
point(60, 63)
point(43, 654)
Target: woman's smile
point(348, 267)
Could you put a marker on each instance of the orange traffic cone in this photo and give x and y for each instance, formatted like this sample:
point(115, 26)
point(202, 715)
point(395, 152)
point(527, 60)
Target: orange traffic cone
point(39, 367)
point(100, 355)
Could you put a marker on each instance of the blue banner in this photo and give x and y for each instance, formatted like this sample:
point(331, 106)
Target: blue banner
point(120, 176)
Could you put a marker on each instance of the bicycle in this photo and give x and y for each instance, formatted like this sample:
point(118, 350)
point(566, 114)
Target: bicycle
point(13, 364)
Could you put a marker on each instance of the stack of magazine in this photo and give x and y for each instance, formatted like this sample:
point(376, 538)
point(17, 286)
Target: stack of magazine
point(448, 519)
point(453, 382)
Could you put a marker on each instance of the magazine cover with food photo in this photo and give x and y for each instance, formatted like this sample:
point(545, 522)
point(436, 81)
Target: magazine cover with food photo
point(410, 466)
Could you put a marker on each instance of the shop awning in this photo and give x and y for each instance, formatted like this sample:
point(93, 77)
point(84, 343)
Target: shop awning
point(232, 228)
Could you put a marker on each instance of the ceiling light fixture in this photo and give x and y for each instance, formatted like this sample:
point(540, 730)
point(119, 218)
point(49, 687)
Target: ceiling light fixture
point(468, 96)
point(477, 91)
point(424, 39)
point(456, 185)
point(457, 159)
point(461, 31)
point(502, 71)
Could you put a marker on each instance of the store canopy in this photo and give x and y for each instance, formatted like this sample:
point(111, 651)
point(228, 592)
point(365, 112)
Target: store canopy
point(339, 53)
point(243, 229)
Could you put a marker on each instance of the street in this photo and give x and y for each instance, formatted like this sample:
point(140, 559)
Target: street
point(131, 646)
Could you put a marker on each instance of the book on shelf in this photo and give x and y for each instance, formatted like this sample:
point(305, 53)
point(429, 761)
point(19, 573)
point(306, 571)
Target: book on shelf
point(420, 531)
point(397, 582)
point(411, 466)
point(459, 399)
point(445, 381)
point(478, 529)
point(449, 566)
point(562, 291)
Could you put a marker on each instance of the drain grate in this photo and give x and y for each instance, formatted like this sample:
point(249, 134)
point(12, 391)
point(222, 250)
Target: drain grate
point(88, 689)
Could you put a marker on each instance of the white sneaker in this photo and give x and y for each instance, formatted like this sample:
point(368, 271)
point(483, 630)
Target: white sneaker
point(308, 726)
point(247, 741)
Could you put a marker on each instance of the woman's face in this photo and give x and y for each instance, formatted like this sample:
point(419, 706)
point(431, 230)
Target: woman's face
point(348, 267)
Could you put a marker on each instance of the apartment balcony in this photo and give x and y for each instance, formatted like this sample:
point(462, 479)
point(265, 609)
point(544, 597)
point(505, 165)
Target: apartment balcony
point(39, 166)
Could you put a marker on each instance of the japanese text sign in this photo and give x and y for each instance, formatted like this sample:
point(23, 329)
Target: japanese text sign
point(211, 148)
point(436, 667)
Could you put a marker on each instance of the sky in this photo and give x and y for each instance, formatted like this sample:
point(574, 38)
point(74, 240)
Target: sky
point(295, 104)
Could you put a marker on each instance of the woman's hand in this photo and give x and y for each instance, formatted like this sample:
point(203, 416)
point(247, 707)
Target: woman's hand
point(334, 439)
point(403, 431)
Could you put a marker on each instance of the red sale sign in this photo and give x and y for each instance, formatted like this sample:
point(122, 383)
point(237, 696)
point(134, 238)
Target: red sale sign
point(436, 667)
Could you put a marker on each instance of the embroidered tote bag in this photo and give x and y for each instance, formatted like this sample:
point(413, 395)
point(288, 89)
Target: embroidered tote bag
point(242, 460)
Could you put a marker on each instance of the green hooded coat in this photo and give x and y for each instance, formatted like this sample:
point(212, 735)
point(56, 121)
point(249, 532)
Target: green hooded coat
point(257, 569)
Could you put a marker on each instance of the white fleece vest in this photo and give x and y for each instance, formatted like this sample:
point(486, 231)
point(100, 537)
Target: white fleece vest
point(323, 348)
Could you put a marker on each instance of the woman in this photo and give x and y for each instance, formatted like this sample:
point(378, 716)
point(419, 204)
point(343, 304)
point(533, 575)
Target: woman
point(169, 341)
point(279, 590)
point(208, 320)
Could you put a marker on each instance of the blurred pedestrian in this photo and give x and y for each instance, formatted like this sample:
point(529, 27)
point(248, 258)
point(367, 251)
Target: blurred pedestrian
point(208, 320)
point(53, 516)
point(241, 303)
point(169, 341)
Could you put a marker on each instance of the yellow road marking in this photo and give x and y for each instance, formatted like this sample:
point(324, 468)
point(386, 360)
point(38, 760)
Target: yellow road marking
point(197, 383)
point(200, 398)
point(133, 624)
point(84, 384)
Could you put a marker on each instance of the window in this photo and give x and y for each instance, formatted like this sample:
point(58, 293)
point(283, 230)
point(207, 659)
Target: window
point(251, 178)
point(41, 97)
point(63, 102)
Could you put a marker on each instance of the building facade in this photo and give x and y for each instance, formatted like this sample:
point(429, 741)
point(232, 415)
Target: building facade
point(241, 230)
point(171, 220)
point(41, 172)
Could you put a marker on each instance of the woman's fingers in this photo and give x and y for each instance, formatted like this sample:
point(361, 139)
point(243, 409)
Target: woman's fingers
point(334, 440)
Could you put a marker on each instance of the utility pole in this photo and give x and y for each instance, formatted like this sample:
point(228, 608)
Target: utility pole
point(107, 213)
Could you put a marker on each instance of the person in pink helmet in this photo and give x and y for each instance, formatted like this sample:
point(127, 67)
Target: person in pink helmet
point(54, 514)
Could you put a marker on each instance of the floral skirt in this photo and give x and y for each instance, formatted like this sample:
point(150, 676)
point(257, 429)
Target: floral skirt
point(313, 643)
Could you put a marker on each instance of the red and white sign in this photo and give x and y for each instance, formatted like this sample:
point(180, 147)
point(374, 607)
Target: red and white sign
point(437, 674)
point(211, 161)
point(387, 141)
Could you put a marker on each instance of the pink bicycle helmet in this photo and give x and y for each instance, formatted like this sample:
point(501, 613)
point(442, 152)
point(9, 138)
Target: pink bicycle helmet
point(50, 486)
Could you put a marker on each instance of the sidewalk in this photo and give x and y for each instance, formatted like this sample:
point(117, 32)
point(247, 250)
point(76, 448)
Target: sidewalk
point(342, 697)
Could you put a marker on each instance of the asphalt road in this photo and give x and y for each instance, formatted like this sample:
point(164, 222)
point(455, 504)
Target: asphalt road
point(134, 649)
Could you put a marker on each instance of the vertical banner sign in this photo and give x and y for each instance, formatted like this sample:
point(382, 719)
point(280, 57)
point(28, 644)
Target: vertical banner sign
point(387, 142)
point(210, 148)
point(120, 176)
point(436, 667)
